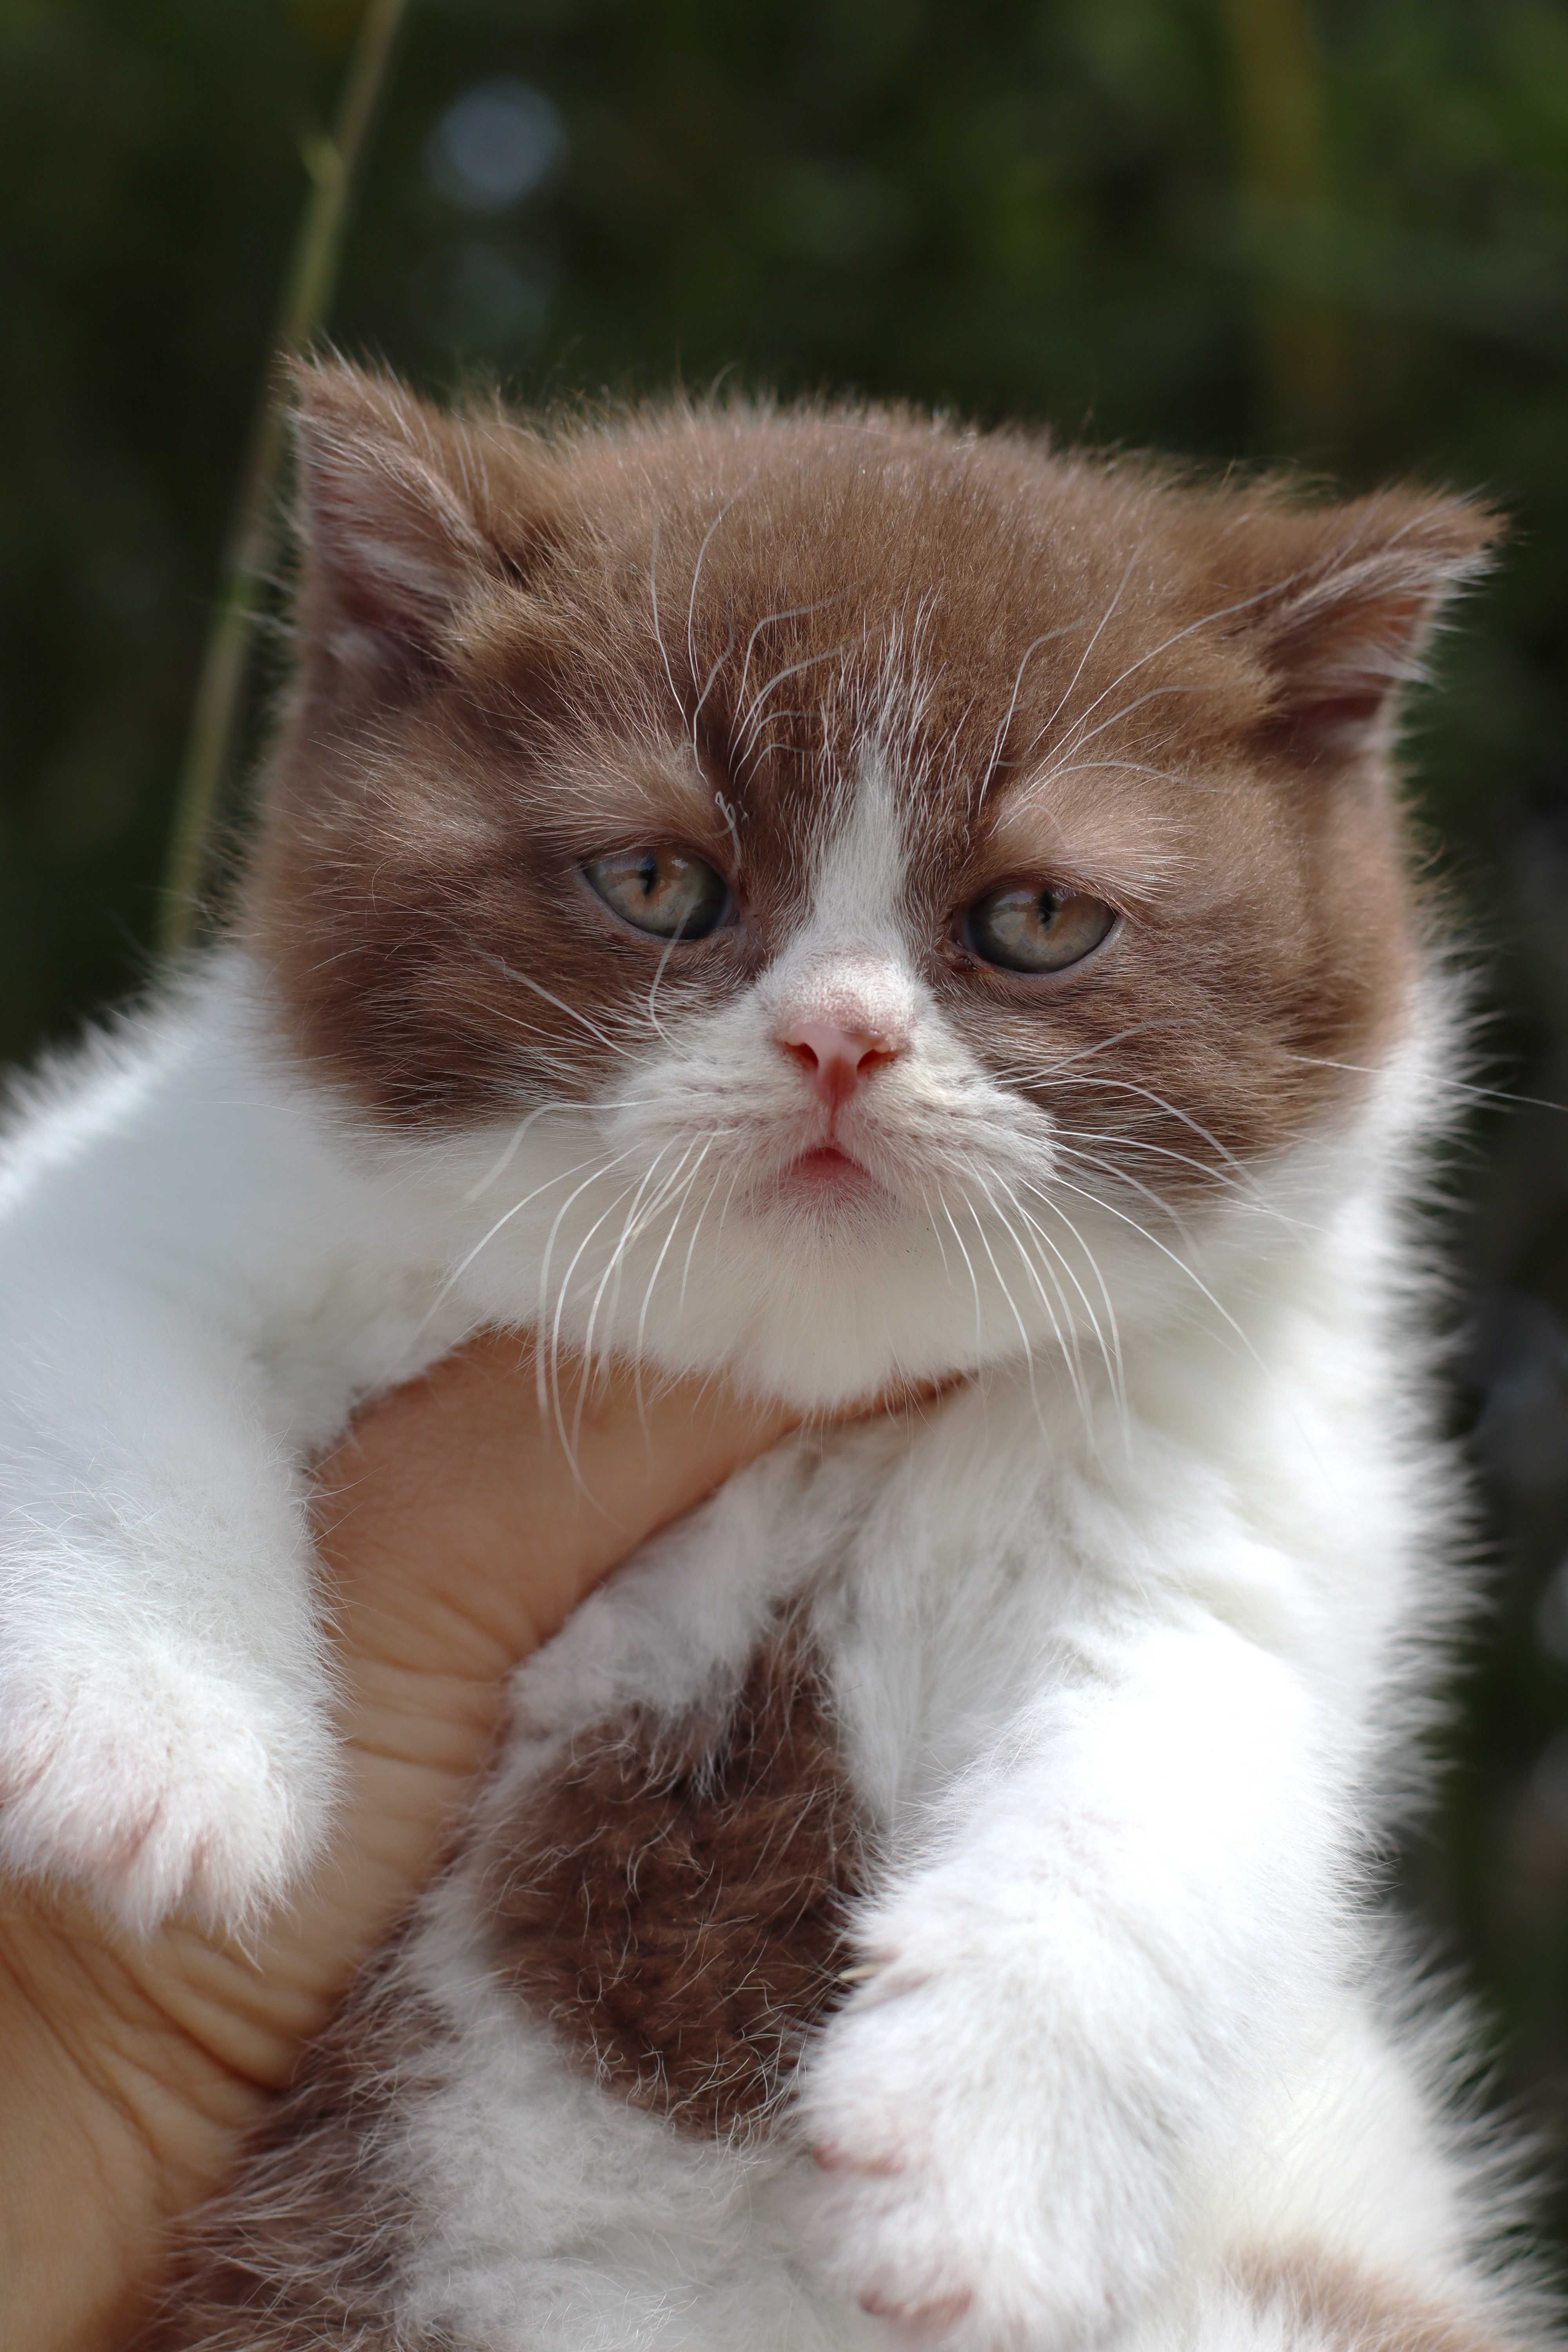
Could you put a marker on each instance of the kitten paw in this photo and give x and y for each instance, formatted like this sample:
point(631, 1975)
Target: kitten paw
point(163, 1782)
point(952, 2198)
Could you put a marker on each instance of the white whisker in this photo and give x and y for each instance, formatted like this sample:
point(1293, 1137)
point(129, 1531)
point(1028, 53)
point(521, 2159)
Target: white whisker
point(936, 1233)
point(696, 1228)
point(657, 633)
point(1131, 1086)
point(1043, 1070)
point(654, 1022)
point(708, 689)
point(545, 1365)
point(1176, 1258)
point(570, 1443)
point(1001, 736)
point(1221, 612)
point(748, 722)
point(1046, 1243)
point(1081, 1158)
point(1007, 1291)
point(1447, 1086)
point(658, 1262)
point(958, 1237)
point(477, 1192)
point(629, 1230)
point(769, 620)
point(1099, 630)
point(1155, 694)
point(1115, 1364)
point(525, 979)
point(691, 612)
point(450, 1283)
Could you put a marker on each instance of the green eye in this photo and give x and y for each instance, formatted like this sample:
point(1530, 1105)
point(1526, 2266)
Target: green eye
point(1023, 929)
point(664, 890)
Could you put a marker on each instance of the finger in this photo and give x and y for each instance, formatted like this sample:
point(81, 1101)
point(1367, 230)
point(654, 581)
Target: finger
point(464, 1515)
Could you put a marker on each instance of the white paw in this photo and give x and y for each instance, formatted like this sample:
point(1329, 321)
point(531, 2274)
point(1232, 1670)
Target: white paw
point(161, 1781)
point(953, 2197)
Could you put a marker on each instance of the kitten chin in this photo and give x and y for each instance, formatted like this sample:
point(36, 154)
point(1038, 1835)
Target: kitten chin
point(829, 1323)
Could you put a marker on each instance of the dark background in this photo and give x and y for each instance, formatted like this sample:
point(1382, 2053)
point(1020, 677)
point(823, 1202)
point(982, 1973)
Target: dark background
point(1240, 228)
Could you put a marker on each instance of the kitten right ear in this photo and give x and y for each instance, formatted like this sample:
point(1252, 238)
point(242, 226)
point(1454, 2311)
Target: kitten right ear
point(1359, 592)
point(391, 512)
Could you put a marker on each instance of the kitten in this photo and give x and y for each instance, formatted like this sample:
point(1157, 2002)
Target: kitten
point(827, 899)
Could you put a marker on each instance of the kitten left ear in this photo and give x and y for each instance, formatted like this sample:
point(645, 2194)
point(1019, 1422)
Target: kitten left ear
point(1348, 625)
point(404, 514)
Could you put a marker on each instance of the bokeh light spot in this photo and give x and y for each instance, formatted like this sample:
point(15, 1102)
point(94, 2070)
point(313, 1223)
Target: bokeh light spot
point(494, 146)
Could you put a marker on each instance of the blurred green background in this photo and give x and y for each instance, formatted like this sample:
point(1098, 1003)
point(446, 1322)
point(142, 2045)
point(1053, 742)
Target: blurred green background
point(1336, 235)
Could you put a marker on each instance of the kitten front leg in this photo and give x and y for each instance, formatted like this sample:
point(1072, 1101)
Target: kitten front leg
point(165, 1713)
point(1070, 1992)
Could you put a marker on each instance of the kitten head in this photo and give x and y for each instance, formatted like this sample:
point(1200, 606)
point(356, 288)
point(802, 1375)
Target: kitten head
point(828, 882)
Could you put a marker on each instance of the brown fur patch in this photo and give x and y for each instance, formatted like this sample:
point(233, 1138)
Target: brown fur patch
point(1331, 2306)
point(303, 2254)
point(674, 1899)
point(522, 650)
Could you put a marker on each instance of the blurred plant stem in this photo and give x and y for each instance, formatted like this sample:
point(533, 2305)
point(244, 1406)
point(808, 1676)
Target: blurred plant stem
point(252, 542)
point(1285, 195)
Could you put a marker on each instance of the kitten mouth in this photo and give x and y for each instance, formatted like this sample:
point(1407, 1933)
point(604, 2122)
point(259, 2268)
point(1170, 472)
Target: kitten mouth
point(827, 1176)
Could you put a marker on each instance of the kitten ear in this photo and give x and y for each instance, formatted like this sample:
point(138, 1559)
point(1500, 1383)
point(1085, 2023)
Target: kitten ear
point(1347, 623)
point(396, 516)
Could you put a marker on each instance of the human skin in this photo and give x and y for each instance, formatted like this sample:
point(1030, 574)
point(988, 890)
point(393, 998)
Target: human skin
point(456, 1536)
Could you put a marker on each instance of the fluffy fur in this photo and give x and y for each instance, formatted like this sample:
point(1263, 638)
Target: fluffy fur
point(1078, 1702)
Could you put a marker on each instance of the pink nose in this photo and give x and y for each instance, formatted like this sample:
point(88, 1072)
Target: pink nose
point(836, 1060)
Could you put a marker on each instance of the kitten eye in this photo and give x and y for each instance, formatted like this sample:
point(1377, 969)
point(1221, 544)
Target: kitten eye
point(1023, 929)
point(664, 890)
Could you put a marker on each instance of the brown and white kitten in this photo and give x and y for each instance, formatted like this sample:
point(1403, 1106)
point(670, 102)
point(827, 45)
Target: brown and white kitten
point(820, 898)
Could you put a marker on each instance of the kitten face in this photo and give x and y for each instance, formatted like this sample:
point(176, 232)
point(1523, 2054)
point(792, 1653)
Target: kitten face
point(891, 866)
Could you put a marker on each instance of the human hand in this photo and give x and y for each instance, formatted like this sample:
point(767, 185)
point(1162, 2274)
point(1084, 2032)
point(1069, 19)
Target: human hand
point(455, 1537)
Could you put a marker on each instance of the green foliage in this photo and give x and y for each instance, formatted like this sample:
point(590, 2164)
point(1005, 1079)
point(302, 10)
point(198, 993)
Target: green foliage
point(1250, 229)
